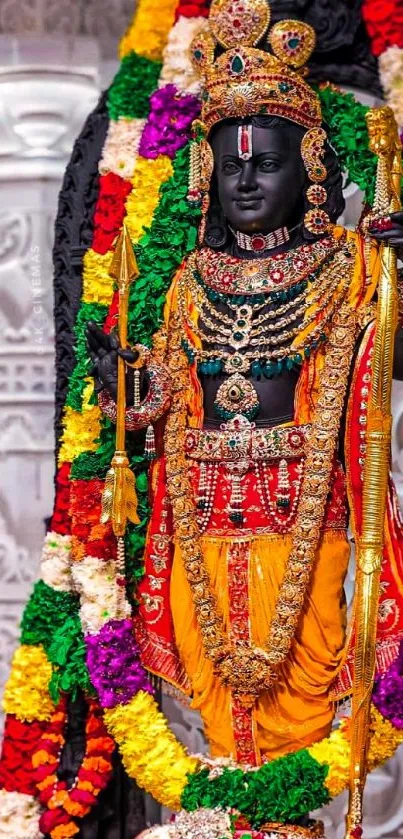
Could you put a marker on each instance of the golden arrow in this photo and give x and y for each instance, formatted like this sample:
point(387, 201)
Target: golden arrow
point(119, 499)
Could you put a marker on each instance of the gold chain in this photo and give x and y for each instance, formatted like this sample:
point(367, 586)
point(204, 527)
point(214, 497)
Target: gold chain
point(249, 671)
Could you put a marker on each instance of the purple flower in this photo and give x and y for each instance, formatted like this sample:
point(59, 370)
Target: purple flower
point(387, 695)
point(113, 663)
point(168, 125)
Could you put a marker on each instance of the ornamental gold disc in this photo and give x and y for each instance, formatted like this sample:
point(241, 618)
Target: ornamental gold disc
point(293, 42)
point(239, 22)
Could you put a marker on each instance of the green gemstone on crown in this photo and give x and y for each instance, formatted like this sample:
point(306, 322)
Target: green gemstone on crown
point(237, 65)
point(293, 43)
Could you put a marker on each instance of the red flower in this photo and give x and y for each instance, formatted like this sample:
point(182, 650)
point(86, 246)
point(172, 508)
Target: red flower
point(20, 742)
point(51, 818)
point(195, 8)
point(85, 511)
point(77, 801)
point(111, 321)
point(60, 521)
point(110, 211)
point(384, 23)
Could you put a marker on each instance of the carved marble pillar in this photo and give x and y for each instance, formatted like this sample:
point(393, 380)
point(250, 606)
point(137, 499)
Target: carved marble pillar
point(48, 85)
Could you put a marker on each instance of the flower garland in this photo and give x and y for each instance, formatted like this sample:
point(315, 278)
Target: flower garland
point(64, 805)
point(384, 22)
point(143, 176)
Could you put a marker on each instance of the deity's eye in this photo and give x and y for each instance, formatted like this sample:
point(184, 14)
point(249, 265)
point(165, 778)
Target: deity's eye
point(230, 167)
point(269, 165)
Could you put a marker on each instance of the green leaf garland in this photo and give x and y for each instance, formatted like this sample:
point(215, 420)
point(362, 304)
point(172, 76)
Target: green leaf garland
point(282, 790)
point(67, 655)
point(349, 137)
point(132, 87)
point(46, 610)
point(77, 384)
point(51, 618)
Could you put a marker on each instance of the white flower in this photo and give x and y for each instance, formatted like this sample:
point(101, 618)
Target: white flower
point(391, 74)
point(95, 582)
point(19, 816)
point(177, 67)
point(56, 562)
point(121, 147)
point(157, 832)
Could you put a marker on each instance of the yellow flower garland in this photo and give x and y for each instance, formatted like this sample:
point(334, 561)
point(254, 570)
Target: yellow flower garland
point(26, 693)
point(335, 750)
point(149, 175)
point(385, 739)
point(97, 282)
point(159, 764)
point(81, 430)
point(147, 34)
point(150, 752)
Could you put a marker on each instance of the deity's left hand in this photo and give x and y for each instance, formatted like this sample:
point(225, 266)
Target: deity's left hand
point(392, 234)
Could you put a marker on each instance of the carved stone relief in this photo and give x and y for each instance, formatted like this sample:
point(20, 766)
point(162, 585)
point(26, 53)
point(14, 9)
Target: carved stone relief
point(41, 113)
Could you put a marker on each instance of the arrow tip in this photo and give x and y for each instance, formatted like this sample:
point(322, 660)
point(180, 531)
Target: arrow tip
point(124, 263)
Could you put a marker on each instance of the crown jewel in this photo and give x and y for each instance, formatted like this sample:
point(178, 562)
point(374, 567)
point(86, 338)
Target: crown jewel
point(246, 80)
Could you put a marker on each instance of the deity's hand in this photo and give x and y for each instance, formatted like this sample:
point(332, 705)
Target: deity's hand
point(104, 351)
point(389, 230)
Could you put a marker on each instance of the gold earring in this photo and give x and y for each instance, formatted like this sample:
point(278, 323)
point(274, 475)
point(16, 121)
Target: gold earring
point(316, 220)
point(206, 173)
point(201, 167)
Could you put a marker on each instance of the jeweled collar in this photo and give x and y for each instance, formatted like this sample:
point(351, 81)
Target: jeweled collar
point(231, 275)
point(258, 242)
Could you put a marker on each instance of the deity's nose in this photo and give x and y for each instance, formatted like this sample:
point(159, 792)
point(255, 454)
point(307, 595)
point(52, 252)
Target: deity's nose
point(247, 180)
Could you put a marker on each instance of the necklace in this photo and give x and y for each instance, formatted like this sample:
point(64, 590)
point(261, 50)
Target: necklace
point(249, 671)
point(258, 242)
point(269, 343)
point(229, 275)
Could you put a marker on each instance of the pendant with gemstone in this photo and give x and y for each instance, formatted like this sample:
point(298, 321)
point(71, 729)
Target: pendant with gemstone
point(236, 396)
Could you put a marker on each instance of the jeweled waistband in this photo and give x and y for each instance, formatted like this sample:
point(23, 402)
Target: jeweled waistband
point(240, 439)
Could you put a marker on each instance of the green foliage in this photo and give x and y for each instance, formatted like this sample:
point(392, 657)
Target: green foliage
point(349, 137)
point(282, 790)
point(132, 87)
point(51, 618)
point(67, 656)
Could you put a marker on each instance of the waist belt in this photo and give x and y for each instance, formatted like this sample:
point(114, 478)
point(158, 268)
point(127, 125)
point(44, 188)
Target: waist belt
point(240, 439)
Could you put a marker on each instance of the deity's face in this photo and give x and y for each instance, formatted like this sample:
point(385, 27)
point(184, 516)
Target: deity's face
point(264, 192)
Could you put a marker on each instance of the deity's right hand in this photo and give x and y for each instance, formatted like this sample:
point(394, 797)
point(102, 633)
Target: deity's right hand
point(104, 350)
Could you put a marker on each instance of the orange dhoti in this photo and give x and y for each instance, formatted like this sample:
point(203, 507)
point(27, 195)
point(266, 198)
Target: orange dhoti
point(298, 711)
point(246, 561)
point(247, 489)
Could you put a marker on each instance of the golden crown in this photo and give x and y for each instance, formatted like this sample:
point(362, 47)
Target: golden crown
point(244, 80)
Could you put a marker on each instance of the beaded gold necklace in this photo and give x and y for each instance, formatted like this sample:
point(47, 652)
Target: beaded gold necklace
point(260, 340)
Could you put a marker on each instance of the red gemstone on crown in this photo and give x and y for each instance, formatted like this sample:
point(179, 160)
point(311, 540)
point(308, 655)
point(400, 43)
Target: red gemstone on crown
point(258, 243)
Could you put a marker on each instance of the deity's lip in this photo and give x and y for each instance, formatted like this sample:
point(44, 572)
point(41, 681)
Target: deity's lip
point(247, 203)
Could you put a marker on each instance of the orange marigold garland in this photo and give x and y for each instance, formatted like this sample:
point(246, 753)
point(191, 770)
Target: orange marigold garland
point(64, 805)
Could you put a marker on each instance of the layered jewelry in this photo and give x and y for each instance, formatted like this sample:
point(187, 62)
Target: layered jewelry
point(225, 274)
point(247, 670)
point(259, 340)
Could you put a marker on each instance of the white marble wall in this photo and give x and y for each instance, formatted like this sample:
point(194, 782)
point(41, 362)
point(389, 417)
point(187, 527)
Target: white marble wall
point(48, 85)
